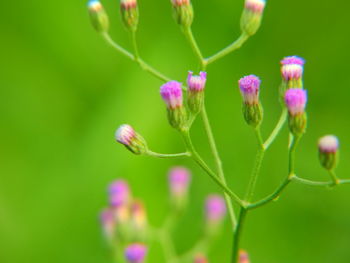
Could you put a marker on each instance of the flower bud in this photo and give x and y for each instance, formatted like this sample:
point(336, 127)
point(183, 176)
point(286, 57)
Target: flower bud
point(119, 193)
point(134, 142)
point(328, 151)
point(195, 95)
point(171, 93)
point(179, 180)
point(252, 109)
point(183, 12)
point(252, 16)
point(292, 72)
point(138, 220)
point(135, 253)
point(130, 14)
point(98, 16)
point(215, 210)
point(243, 257)
point(199, 258)
point(296, 100)
point(108, 224)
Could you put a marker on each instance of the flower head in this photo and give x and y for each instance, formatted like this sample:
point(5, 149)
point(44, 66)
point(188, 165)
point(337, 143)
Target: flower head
point(108, 223)
point(249, 86)
point(215, 208)
point(328, 144)
point(296, 100)
point(171, 93)
point(98, 16)
point(125, 134)
point(135, 253)
point(292, 68)
point(179, 179)
point(243, 257)
point(138, 213)
point(199, 258)
point(127, 4)
point(196, 83)
point(119, 193)
point(255, 6)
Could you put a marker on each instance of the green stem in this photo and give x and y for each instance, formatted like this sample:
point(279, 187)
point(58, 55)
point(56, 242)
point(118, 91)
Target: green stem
point(142, 63)
point(232, 47)
point(218, 163)
point(189, 35)
point(165, 240)
point(257, 166)
point(285, 183)
point(334, 177)
point(277, 129)
point(171, 155)
point(197, 158)
point(237, 235)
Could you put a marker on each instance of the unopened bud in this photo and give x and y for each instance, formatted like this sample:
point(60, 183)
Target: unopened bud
point(134, 142)
point(292, 72)
point(196, 85)
point(252, 16)
point(130, 14)
point(183, 12)
point(200, 258)
point(108, 224)
point(243, 257)
point(252, 109)
point(328, 151)
point(215, 210)
point(136, 253)
point(98, 16)
point(138, 220)
point(179, 180)
point(119, 193)
point(296, 100)
point(171, 93)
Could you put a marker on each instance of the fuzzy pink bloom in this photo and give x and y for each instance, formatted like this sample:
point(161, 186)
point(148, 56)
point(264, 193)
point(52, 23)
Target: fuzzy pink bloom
point(328, 144)
point(171, 93)
point(179, 179)
point(292, 67)
point(127, 4)
point(119, 193)
point(125, 134)
point(295, 100)
point(199, 258)
point(215, 208)
point(108, 223)
point(196, 83)
point(243, 257)
point(255, 6)
point(249, 87)
point(135, 253)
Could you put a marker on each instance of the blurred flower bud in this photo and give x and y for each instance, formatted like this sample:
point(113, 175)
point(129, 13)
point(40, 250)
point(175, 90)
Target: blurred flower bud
point(328, 151)
point(252, 109)
point(199, 258)
point(195, 95)
point(130, 14)
point(215, 210)
point(252, 16)
point(292, 72)
point(171, 93)
point(179, 180)
point(119, 193)
point(108, 224)
point(98, 16)
point(138, 220)
point(296, 100)
point(183, 12)
point(134, 142)
point(243, 257)
point(135, 253)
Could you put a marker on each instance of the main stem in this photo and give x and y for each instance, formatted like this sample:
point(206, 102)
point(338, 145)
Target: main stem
point(237, 235)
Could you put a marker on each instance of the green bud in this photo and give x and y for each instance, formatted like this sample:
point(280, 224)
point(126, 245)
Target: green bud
point(253, 114)
point(183, 12)
point(98, 16)
point(328, 151)
point(252, 16)
point(130, 14)
point(134, 142)
point(297, 124)
point(178, 118)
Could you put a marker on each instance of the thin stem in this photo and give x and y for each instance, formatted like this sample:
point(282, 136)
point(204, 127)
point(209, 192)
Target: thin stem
point(197, 158)
point(189, 35)
point(237, 235)
point(334, 177)
point(165, 240)
point(277, 129)
point(285, 183)
point(218, 163)
point(317, 183)
point(134, 44)
point(232, 47)
point(171, 155)
point(256, 169)
point(146, 67)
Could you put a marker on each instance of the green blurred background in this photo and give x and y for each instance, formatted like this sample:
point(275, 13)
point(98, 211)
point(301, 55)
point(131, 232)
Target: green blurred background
point(64, 92)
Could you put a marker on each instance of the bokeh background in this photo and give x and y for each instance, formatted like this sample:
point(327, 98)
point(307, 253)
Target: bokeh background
point(64, 92)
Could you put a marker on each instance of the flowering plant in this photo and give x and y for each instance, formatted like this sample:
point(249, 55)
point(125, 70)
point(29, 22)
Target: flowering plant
point(125, 222)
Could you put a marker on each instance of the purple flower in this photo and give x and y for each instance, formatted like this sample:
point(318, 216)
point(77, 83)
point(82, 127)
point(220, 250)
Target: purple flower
point(249, 86)
point(328, 144)
point(119, 193)
point(295, 100)
point(215, 209)
point(179, 179)
point(135, 253)
point(255, 6)
point(292, 68)
point(125, 134)
point(196, 83)
point(171, 93)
